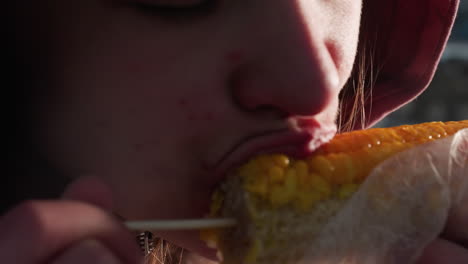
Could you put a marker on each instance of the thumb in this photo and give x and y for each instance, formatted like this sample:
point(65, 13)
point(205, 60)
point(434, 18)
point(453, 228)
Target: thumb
point(91, 190)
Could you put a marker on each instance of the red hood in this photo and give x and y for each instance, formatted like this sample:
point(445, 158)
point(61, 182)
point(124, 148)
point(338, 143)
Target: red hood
point(408, 37)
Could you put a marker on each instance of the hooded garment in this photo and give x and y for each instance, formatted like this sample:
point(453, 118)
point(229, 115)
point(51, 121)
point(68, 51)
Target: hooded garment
point(408, 38)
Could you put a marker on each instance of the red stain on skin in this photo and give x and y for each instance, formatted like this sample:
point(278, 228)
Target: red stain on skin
point(234, 56)
point(182, 102)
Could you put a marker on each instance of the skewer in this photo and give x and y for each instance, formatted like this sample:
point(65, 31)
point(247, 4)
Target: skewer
point(186, 224)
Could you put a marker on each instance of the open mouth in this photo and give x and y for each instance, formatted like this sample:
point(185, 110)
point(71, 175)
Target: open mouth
point(296, 144)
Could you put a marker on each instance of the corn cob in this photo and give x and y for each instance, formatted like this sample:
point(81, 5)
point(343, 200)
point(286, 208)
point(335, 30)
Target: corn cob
point(272, 195)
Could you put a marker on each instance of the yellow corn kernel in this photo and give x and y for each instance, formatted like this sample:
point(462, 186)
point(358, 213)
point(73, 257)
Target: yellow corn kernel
point(290, 184)
point(259, 187)
point(306, 200)
point(250, 170)
point(217, 203)
point(301, 168)
point(319, 184)
point(321, 165)
point(254, 249)
point(278, 196)
point(334, 170)
point(281, 160)
point(284, 193)
point(328, 177)
point(413, 134)
point(265, 162)
point(344, 171)
point(276, 174)
point(346, 190)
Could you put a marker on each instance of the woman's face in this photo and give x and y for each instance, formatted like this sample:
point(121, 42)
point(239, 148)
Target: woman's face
point(161, 102)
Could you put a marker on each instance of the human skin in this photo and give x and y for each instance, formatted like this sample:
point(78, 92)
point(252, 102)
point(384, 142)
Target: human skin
point(149, 103)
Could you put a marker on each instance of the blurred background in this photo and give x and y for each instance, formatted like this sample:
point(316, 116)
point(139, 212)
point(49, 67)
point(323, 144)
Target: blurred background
point(447, 96)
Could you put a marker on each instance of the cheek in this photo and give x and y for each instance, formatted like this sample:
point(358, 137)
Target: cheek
point(343, 35)
point(157, 90)
point(192, 112)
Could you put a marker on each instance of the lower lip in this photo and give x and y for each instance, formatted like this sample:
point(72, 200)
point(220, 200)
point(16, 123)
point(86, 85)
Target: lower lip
point(296, 146)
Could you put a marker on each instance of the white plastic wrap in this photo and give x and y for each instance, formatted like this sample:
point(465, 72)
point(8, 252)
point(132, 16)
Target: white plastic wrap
point(402, 206)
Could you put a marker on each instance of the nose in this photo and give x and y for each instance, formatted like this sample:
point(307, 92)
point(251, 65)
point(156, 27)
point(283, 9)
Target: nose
point(290, 64)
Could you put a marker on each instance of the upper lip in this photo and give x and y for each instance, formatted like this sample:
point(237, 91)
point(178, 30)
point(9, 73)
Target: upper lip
point(296, 144)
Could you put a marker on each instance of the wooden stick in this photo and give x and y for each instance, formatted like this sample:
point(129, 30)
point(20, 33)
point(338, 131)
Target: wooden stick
point(186, 224)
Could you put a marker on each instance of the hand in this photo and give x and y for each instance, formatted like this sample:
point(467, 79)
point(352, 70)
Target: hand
point(66, 231)
point(452, 245)
point(415, 196)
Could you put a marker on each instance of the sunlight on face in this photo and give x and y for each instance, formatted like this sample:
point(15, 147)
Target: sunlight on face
point(151, 95)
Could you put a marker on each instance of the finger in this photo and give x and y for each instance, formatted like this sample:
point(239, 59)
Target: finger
point(87, 251)
point(42, 229)
point(91, 190)
point(442, 252)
